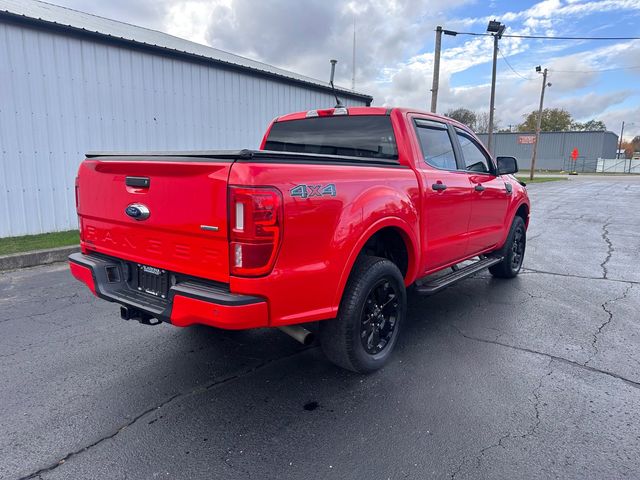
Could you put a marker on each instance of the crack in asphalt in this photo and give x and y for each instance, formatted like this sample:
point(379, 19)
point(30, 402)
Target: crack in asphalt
point(566, 361)
point(530, 431)
point(596, 334)
point(610, 250)
point(527, 292)
point(571, 275)
point(536, 403)
point(164, 403)
point(533, 237)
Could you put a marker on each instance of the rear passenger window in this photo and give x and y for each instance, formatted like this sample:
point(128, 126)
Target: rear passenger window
point(436, 145)
point(475, 159)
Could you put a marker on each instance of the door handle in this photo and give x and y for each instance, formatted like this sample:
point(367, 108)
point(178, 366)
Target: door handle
point(479, 188)
point(438, 187)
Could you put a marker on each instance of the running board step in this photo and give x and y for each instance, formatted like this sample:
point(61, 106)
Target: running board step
point(429, 288)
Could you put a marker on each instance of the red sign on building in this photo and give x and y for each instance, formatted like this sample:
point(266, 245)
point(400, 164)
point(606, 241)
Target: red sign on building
point(526, 139)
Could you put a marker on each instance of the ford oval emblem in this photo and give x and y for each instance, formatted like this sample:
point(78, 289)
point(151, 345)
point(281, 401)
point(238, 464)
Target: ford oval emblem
point(137, 211)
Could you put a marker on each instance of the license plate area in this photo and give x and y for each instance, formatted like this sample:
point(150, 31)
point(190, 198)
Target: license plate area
point(152, 280)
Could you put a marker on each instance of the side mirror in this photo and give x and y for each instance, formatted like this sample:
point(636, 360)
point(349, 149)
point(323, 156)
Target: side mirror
point(507, 165)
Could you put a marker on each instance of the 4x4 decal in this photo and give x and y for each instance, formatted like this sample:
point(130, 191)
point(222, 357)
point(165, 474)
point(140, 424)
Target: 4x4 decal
point(306, 191)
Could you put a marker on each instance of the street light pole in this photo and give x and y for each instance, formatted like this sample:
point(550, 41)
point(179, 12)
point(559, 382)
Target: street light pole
point(538, 122)
point(436, 70)
point(497, 29)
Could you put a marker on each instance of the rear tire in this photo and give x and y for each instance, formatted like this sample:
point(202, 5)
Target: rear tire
point(512, 251)
point(366, 329)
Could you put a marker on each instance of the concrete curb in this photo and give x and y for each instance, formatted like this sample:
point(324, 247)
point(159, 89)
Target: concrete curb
point(36, 257)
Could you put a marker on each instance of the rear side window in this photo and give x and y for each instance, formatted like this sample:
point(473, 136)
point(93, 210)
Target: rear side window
point(436, 145)
point(475, 159)
point(369, 136)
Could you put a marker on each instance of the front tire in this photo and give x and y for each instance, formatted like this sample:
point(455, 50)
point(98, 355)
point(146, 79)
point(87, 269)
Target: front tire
point(512, 251)
point(373, 306)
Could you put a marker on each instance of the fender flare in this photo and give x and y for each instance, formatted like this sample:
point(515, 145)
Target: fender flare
point(511, 214)
point(411, 243)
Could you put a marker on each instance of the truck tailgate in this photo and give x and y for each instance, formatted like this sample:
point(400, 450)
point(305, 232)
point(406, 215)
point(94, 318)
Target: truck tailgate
point(186, 229)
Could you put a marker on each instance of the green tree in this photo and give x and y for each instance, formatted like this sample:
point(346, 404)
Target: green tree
point(590, 126)
point(464, 116)
point(553, 120)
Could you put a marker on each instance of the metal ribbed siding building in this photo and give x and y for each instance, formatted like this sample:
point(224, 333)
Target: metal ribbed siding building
point(554, 149)
point(73, 82)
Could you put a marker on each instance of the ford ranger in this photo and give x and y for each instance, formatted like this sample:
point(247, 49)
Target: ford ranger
point(332, 220)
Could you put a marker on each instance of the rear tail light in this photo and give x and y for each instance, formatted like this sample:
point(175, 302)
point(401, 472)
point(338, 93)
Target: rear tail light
point(77, 194)
point(255, 229)
point(78, 208)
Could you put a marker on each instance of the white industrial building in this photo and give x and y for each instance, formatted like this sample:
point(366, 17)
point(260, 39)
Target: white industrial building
point(71, 82)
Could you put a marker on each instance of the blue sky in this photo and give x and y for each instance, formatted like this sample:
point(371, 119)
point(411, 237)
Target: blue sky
point(578, 69)
point(395, 41)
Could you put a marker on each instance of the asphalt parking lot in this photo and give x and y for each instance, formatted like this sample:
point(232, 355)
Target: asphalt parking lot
point(537, 377)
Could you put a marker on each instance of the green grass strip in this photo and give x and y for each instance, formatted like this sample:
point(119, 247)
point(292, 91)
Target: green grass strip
point(43, 241)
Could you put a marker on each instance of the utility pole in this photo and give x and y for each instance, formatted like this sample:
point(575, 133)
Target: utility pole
point(538, 122)
point(497, 29)
point(436, 70)
point(620, 143)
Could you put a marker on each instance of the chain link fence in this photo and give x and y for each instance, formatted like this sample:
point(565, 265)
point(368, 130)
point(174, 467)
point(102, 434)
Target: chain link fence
point(602, 165)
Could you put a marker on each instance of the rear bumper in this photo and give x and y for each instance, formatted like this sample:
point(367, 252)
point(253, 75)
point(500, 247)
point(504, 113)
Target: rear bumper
point(188, 302)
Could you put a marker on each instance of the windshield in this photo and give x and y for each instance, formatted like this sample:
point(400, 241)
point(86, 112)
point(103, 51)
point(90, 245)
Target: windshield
point(369, 136)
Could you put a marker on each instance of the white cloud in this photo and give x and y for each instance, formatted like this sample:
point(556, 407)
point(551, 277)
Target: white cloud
point(556, 9)
point(587, 106)
point(631, 117)
point(190, 19)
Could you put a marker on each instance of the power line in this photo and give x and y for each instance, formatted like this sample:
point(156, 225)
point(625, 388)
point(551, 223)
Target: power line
point(540, 37)
point(571, 38)
point(513, 69)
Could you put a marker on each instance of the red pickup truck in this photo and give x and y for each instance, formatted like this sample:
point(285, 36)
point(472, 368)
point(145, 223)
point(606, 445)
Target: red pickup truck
point(339, 212)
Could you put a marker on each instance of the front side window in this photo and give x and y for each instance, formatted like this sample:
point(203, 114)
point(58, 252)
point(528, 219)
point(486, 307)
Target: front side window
point(436, 145)
point(475, 159)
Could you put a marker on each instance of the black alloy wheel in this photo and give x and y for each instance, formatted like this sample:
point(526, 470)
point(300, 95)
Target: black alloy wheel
point(517, 247)
point(379, 316)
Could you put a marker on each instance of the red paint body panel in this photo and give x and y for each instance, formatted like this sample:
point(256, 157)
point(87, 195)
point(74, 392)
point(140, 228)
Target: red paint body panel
point(320, 236)
point(488, 213)
point(190, 311)
point(182, 196)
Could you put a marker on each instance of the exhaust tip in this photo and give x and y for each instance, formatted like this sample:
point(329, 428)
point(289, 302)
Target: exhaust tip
point(309, 338)
point(300, 334)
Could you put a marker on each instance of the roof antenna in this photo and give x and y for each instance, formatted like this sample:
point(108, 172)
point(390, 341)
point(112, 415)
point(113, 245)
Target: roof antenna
point(333, 89)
